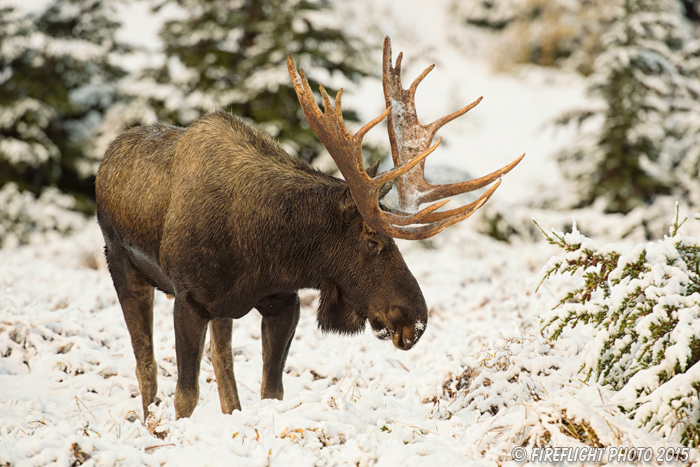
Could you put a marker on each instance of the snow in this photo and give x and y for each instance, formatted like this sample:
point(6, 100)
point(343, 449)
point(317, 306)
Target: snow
point(67, 371)
point(68, 384)
point(481, 381)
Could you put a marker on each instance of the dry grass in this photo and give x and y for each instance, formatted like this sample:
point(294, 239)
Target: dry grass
point(459, 383)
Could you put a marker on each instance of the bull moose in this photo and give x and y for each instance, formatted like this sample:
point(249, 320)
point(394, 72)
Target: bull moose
point(219, 216)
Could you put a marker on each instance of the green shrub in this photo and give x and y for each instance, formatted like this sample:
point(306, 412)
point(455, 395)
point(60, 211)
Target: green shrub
point(643, 305)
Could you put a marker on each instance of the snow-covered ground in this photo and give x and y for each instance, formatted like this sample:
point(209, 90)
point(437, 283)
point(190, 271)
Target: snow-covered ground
point(481, 381)
point(68, 385)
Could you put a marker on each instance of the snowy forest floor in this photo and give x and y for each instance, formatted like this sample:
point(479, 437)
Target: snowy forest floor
point(481, 381)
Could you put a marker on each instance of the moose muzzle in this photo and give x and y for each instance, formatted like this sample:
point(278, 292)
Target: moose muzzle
point(405, 337)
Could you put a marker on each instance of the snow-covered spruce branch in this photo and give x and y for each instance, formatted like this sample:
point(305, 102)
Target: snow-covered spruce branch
point(644, 307)
point(26, 218)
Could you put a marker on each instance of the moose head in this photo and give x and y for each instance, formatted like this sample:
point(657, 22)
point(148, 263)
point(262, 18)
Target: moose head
point(411, 144)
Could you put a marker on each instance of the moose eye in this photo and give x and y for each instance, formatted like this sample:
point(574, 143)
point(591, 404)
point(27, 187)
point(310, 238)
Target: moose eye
point(372, 245)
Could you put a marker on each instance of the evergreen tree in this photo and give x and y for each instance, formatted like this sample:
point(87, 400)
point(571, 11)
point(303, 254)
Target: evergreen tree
point(24, 116)
point(57, 82)
point(683, 126)
point(646, 95)
point(489, 14)
point(230, 55)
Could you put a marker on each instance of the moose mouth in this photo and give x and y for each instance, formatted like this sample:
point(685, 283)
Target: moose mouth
point(402, 336)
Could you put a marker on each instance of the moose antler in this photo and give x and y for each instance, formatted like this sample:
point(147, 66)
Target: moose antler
point(346, 150)
point(409, 138)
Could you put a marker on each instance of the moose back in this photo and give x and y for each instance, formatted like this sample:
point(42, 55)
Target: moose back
point(220, 217)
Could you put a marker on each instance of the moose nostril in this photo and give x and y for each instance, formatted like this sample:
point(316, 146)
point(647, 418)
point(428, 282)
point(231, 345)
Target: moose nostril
point(405, 337)
point(401, 338)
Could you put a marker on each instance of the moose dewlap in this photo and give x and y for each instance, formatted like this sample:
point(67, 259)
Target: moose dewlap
point(220, 217)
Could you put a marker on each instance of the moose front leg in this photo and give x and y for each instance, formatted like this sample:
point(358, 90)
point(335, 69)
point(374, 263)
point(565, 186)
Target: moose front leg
point(190, 331)
point(222, 359)
point(280, 315)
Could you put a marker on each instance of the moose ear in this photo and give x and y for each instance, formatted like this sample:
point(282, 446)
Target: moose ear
point(385, 189)
point(347, 203)
point(372, 171)
point(348, 208)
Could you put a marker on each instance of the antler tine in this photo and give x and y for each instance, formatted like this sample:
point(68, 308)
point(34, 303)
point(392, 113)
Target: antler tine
point(327, 106)
point(440, 122)
point(396, 69)
point(414, 86)
point(369, 125)
point(404, 218)
point(471, 207)
point(436, 192)
point(437, 222)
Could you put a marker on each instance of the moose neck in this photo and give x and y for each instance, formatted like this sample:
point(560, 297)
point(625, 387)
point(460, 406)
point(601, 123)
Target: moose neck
point(308, 246)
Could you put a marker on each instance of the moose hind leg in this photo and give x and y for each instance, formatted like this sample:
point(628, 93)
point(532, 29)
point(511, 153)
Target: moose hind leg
point(190, 332)
point(135, 296)
point(280, 315)
point(222, 359)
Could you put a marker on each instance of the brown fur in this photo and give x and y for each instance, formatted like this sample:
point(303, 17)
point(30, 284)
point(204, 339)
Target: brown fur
point(219, 216)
